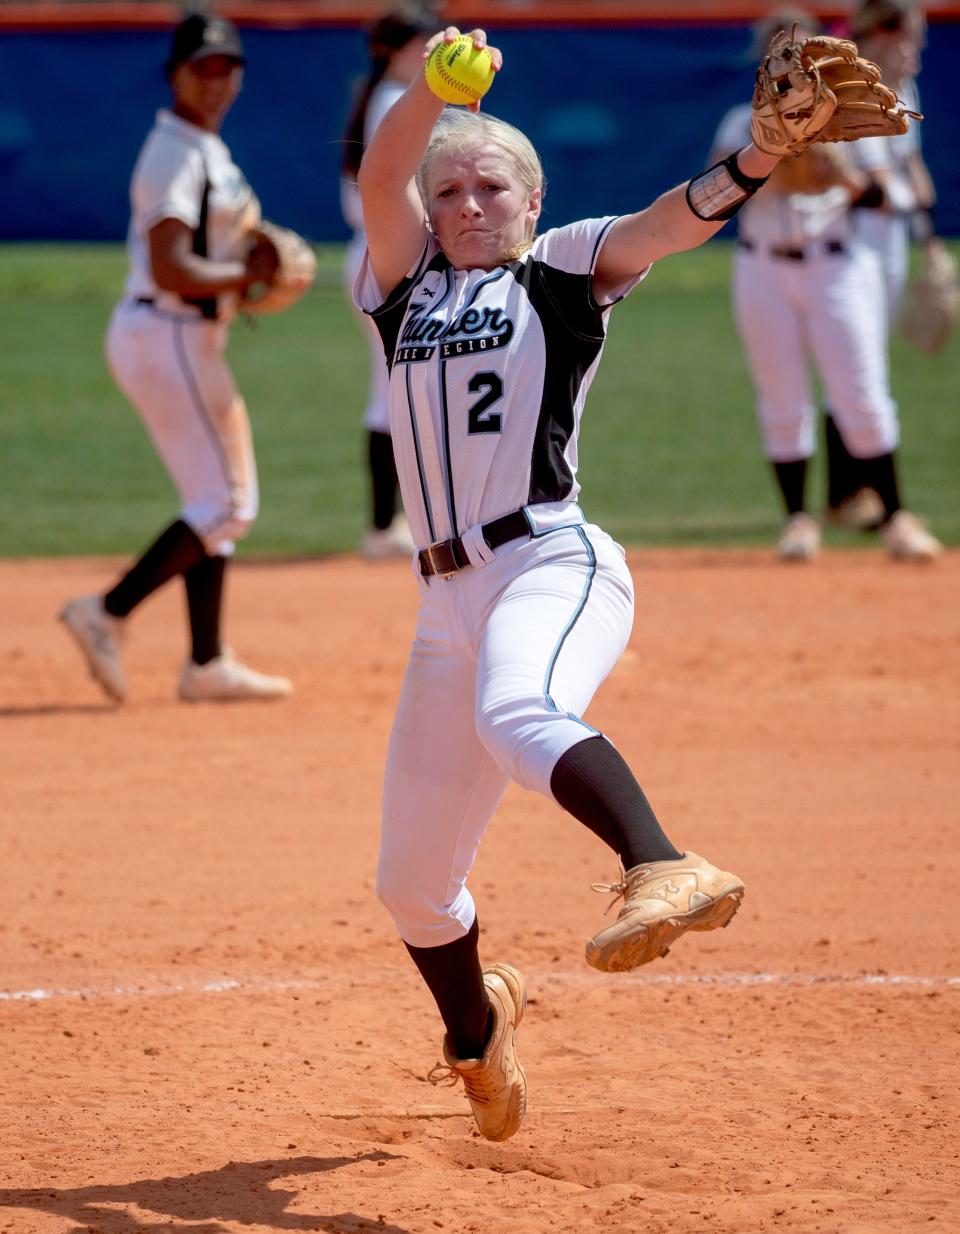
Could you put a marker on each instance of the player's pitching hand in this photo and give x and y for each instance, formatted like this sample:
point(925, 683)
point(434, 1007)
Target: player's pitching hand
point(450, 35)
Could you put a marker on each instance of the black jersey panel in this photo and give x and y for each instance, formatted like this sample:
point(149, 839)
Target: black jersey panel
point(388, 318)
point(573, 337)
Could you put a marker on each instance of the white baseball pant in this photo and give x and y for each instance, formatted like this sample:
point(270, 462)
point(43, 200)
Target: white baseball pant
point(825, 306)
point(174, 372)
point(505, 660)
point(888, 235)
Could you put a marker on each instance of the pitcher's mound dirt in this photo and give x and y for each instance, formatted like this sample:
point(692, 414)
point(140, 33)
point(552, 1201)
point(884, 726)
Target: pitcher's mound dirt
point(209, 1026)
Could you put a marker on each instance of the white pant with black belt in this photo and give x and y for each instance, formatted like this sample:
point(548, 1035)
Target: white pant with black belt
point(823, 308)
point(172, 368)
point(505, 660)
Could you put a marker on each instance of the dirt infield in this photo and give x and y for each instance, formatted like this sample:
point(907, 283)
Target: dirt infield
point(208, 1025)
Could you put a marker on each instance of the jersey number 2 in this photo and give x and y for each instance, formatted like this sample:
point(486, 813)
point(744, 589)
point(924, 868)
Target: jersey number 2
point(480, 418)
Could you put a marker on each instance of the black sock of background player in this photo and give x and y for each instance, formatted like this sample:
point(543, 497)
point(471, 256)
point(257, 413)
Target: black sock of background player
point(453, 974)
point(792, 478)
point(204, 584)
point(596, 786)
point(844, 472)
point(174, 551)
point(383, 479)
point(880, 473)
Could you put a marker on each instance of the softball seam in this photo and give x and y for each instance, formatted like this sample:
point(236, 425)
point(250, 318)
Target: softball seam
point(449, 80)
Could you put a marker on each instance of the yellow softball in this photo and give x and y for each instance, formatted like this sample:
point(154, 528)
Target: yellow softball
point(458, 72)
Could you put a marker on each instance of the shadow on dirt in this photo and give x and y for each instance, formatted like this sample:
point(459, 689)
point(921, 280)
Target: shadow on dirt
point(239, 1193)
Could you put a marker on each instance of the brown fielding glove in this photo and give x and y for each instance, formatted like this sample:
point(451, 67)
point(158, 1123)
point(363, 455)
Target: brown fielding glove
point(282, 266)
point(820, 89)
point(932, 302)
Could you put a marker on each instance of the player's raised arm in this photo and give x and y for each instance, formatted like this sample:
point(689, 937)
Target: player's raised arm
point(813, 90)
point(394, 215)
point(682, 218)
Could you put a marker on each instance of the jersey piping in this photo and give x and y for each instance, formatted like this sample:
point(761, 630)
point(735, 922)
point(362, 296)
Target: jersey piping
point(196, 399)
point(578, 613)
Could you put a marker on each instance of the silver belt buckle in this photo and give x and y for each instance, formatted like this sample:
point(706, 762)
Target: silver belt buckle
point(433, 564)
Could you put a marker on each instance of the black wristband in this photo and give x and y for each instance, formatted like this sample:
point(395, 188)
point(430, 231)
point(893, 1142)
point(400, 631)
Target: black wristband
point(873, 197)
point(741, 177)
point(718, 193)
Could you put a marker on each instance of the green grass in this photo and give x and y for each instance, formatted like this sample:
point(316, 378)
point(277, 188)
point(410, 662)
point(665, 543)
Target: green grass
point(669, 449)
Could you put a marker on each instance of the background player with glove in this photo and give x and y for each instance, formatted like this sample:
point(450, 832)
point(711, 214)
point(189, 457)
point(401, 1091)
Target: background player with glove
point(804, 285)
point(198, 254)
point(492, 337)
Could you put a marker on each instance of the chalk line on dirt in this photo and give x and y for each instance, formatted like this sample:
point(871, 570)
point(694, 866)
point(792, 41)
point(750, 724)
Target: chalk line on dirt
point(257, 985)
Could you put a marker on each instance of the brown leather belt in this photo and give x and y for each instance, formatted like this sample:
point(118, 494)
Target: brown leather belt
point(448, 556)
point(831, 247)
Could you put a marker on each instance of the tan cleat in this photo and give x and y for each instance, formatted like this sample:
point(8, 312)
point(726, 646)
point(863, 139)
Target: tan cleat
point(496, 1084)
point(799, 539)
point(662, 901)
point(227, 679)
point(907, 539)
point(98, 635)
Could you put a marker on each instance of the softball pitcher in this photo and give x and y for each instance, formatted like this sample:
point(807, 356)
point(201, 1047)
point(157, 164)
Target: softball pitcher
point(190, 261)
point(493, 336)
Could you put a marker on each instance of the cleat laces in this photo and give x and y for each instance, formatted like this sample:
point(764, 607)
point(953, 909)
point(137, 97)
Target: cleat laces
point(441, 1076)
point(620, 890)
point(480, 1084)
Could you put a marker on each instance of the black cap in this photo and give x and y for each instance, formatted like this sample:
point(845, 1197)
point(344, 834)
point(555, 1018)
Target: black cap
point(199, 36)
point(397, 28)
point(887, 15)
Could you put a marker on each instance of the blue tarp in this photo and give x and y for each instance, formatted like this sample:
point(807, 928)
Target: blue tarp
point(620, 127)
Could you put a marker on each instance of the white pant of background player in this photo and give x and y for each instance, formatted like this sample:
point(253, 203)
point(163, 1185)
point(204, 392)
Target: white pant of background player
point(376, 414)
point(506, 658)
point(825, 308)
point(172, 368)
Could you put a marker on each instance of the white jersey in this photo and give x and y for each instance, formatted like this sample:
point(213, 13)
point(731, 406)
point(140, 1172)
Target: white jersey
point(784, 220)
point(384, 95)
point(175, 164)
point(886, 232)
point(489, 371)
point(893, 155)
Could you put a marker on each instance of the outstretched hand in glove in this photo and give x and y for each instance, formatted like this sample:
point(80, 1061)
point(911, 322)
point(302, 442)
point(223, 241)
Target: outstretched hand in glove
point(820, 89)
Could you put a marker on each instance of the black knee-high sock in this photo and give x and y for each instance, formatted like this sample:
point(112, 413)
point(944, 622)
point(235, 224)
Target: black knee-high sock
point(204, 584)
point(454, 977)
point(174, 551)
point(596, 786)
point(844, 472)
point(880, 473)
point(383, 479)
point(792, 479)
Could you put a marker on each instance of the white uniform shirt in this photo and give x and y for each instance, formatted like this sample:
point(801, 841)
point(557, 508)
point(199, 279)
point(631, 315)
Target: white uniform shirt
point(893, 154)
point(383, 97)
point(176, 160)
point(489, 371)
point(786, 220)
